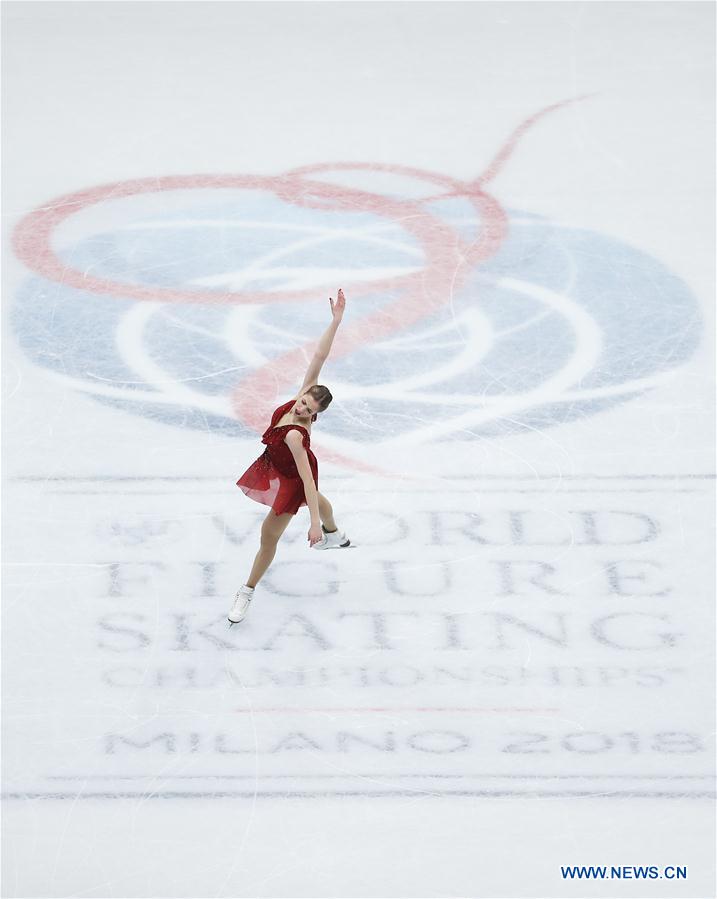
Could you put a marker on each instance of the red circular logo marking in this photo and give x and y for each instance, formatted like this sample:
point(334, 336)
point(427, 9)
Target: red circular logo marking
point(447, 258)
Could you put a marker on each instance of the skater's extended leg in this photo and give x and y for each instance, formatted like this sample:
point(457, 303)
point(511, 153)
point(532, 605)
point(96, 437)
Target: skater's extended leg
point(326, 513)
point(271, 530)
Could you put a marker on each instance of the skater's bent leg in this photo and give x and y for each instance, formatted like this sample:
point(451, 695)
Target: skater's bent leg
point(271, 530)
point(326, 513)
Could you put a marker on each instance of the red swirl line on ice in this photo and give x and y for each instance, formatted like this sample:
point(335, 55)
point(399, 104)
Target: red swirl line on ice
point(447, 261)
point(447, 258)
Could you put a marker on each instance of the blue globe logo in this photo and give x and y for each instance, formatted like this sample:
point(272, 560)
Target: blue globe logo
point(464, 319)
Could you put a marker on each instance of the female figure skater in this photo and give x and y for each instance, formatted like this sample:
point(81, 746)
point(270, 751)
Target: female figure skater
point(286, 476)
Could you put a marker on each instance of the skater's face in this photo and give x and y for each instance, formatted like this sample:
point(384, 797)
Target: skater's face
point(306, 406)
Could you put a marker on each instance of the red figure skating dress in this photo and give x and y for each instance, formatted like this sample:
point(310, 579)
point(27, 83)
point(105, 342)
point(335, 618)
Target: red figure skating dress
point(273, 479)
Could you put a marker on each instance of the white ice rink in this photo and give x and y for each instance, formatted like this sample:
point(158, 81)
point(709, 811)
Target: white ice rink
point(513, 670)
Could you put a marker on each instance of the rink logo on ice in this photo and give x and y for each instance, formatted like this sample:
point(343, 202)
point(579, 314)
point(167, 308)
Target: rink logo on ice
point(196, 301)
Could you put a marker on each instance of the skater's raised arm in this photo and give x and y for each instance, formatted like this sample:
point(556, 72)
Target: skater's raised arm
point(324, 346)
point(337, 312)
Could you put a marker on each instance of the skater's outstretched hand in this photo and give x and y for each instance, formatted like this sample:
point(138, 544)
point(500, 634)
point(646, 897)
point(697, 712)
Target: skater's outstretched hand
point(314, 534)
point(337, 308)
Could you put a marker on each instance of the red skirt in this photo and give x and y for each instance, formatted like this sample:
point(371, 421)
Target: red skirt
point(273, 479)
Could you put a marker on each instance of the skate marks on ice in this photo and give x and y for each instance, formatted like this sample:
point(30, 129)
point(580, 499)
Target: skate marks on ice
point(524, 639)
point(242, 611)
point(486, 640)
point(183, 298)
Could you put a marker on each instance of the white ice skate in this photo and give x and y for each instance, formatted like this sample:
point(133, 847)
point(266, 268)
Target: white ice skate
point(241, 604)
point(334, 540)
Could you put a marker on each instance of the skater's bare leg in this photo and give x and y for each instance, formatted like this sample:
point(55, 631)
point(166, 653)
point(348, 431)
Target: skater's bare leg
point(271, 530)
point(326, 513)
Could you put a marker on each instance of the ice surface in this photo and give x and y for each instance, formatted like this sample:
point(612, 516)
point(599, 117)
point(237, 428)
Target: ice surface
point(513, 670)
